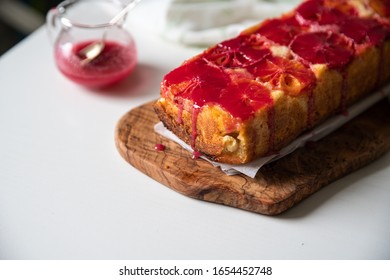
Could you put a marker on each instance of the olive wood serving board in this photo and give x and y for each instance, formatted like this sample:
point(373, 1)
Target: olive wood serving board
point(278, 186)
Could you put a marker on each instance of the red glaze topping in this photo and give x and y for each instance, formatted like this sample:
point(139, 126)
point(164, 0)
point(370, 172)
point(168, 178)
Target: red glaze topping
point(324, 48)
point(245, 98)
point(204, 83)
point(159, 147)
point(197, 80)
point(364, 31)
point(281, 31)
point(241, 51)
point(324, 12)
point(285, 74)
point(196, 155)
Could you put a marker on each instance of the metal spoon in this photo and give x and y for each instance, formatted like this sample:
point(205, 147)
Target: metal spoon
point(94, 49)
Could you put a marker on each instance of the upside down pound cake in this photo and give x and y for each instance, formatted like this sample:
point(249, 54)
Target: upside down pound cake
point(250, 96)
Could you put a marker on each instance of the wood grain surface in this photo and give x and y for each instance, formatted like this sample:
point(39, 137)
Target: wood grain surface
point(278, 186)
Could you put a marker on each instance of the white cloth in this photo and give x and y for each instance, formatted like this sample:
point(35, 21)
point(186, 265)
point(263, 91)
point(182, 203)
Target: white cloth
point(206, 22)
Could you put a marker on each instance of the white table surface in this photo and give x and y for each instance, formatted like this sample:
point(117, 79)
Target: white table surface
point(65, 192)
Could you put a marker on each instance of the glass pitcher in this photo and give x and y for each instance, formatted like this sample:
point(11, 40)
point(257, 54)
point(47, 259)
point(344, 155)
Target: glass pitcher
point(91, 45)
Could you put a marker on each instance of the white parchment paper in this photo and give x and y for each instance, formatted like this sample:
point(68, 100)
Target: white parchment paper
point(250, 169)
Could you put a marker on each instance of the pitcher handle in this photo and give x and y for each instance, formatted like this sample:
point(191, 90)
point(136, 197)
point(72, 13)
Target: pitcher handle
point(51, 23)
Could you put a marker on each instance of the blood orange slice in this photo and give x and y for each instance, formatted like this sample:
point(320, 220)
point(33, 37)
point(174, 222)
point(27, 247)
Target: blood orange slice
point(324, 12)
point(289, 75)
point(281, 31)
point(323, 47)
point(241, 51)
point(186, 80)
point(245, 97)
point(203, 83)
point(364, 31)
